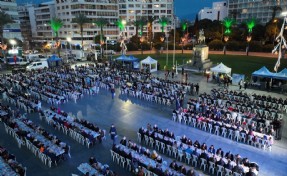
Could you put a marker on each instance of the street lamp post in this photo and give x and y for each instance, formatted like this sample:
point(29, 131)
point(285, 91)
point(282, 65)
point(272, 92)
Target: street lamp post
point(107, 38)
point(182, 43)
point(248, 39)
point(226, 38)
point(141, 41)
point(167, 35)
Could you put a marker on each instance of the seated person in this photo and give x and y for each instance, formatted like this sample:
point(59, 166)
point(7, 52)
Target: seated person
point(211, 149)
point(173, 165)
point(159, 159)
point(92, 160)
point(123, 141)
point(154, 155)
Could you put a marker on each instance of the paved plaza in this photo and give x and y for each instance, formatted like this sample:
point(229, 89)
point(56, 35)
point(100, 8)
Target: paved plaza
point(129, 114)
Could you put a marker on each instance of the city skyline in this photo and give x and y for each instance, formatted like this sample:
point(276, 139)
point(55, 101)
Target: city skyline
point(184, 9)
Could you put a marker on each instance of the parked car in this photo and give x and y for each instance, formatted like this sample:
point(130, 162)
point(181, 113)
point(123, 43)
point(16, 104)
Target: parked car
point(37, 65)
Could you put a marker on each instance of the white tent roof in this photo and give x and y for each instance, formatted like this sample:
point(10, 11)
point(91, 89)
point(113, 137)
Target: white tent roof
point(149, 60)
point(221, 68)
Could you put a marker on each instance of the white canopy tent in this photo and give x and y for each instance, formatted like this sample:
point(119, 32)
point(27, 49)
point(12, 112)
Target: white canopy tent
point(152, 63)
point(221, 68)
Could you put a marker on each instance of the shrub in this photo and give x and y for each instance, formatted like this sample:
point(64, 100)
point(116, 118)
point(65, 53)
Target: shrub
point(216, 45)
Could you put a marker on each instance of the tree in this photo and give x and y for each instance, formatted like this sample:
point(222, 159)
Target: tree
point(4, 19)
point(101, 22)
point(56, 25)
point(275, 9)
point(81, 20)
point(150, 20)
point(163, 21)
point(227, 23)
point(139, 24)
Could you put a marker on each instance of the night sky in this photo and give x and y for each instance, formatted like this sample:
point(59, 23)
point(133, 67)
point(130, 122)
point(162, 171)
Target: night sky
point(186, 9)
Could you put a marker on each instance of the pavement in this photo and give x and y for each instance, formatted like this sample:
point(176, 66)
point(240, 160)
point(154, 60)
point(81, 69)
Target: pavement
point(129, 114)
point(240, 53)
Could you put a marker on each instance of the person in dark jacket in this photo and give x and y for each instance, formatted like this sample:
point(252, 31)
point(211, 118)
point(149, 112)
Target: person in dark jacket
point(113, 133)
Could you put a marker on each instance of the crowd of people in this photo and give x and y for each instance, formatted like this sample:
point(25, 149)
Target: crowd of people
point(9, 160)
point(184, 147)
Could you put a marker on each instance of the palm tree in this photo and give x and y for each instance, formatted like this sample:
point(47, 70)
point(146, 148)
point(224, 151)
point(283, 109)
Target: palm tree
point(150, 20)
point(275, 9)
point(163, 21)
point(4, 19)
point(56, 25)
point(250, 25)
point(139, 24)
point(81, 20)
point(227, 23)
point(101, 22)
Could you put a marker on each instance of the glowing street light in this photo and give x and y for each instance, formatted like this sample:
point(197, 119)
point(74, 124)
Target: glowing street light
point(13, 43)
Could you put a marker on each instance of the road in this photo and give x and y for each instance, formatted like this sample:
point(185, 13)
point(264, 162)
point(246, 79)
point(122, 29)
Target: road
point(241, 53)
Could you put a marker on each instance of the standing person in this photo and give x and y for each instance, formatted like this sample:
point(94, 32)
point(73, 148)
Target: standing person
point(113, 133)
point(167, 73)
point(197, 88)
point(182, 71)
point(240, 84)
point(113, 92)
point(172, 74)
point(186, 76)
point(207, 77)
point(245, 85)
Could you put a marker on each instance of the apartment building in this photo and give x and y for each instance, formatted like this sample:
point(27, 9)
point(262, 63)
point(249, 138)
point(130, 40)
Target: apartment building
point(111, 10)
point(217, 12)
point(131, 10)
point(261, 10)
point(11, 30)
point(66, 10)
point(25, 24)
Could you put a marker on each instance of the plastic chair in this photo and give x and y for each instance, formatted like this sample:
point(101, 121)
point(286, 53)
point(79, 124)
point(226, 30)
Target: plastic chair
point(220, 169)
point(203, 163)
point(194, 160)
point(139, 137)
point(230, 134)
point(216, 131)
point(180, 155)
point(162, 147)
point(211, 167)
point(224, 132)
point(228, 172)
point(187, 158)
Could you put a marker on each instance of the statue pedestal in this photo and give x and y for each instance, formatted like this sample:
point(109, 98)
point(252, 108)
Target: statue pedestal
point(200, 57)
point(199, 60)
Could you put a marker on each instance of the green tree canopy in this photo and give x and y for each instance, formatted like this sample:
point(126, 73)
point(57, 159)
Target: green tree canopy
point(101, 22)
point(227, 23)
point(163, 21)
point(81, 20)
point(250, 24)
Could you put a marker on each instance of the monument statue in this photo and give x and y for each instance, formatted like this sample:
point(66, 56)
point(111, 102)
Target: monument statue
point(201, 38)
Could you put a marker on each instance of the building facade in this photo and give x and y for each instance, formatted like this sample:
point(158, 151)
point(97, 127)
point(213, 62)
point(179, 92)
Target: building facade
point(133, 10)
point(11, 30)
point(261, 10)
point(217, 12)
point(25, 24)
point(111, 10)
point(94, 10)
